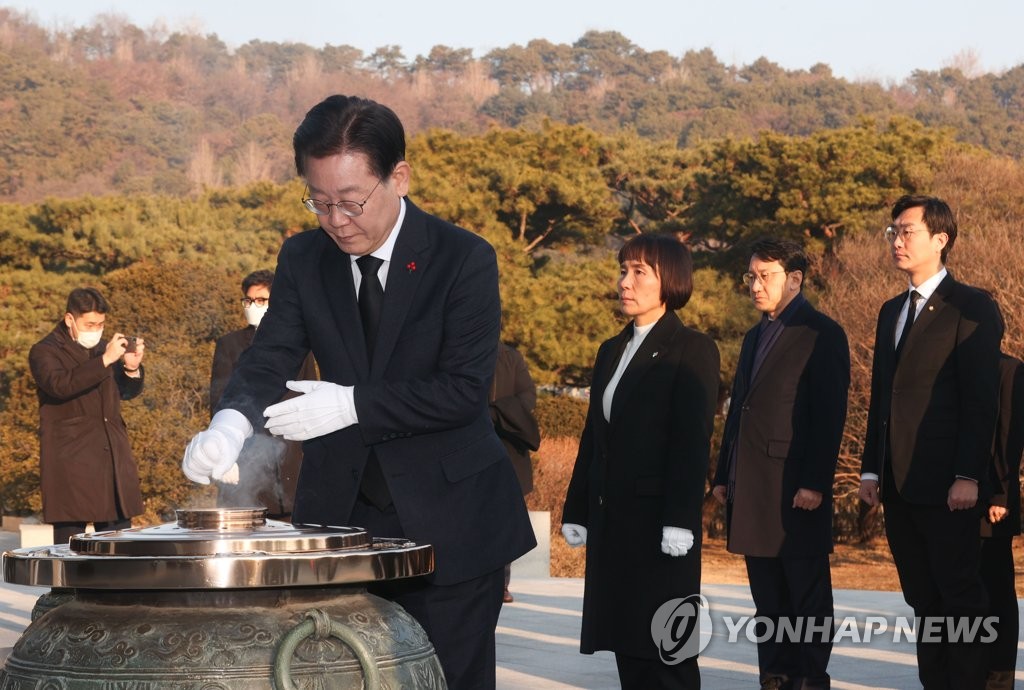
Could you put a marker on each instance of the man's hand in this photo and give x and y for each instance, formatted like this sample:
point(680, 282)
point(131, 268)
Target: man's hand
point(807, 499)
point(575, 535)
point(212, 453)
point(115, 349)
point(324, 407)
point(720, 492)
point(997, 514)
point(676, 541)
point(132, 360)
point(963, 494)
point(868, 491)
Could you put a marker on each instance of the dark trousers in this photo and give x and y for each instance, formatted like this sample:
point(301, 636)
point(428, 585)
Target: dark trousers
point(652, 674)
point(798, 591)
point(937, 552)
point(63, 531)
point(459, 619)
point(997, 573)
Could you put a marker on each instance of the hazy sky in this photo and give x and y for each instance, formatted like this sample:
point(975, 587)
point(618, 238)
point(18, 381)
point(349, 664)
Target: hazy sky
point(860, 39)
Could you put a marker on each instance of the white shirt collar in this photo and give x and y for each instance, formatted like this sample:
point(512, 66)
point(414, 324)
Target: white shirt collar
point(385, 251)
point(926, 288)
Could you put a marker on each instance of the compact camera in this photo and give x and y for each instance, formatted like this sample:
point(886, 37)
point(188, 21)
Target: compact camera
point(132, 344)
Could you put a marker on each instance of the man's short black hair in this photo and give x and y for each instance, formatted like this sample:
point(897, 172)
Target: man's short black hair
point(348, 124)
point(261, 277)
point(788, 253)
point(936, 214)
point(85, 300)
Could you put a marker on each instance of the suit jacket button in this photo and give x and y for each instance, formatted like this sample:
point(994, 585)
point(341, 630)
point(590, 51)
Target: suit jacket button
point(600, 500)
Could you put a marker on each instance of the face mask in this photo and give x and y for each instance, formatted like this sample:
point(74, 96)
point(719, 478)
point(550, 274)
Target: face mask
point(254, 314)
point(89, 339)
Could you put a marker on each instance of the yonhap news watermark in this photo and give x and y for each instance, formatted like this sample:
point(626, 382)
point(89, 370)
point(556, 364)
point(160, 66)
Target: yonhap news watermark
point(682, 628)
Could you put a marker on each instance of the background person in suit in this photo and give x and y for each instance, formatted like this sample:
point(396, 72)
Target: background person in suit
point(778, 460)
point(268, 467)
point(86, 467)
point(1001, 522)
point(934, 396)
point(637, 488)
point(398, 438)
point(513, 399)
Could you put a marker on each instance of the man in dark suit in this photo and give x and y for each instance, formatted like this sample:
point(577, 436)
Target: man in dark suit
point(401, 311)
point(778, 460)
point(934, 395)
point(513, 399)
point(1001, 523)
point(268, 468)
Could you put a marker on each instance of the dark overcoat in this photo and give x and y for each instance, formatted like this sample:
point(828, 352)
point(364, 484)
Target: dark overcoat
point(268, 466)
point(786, 426)
point(642, 470)
point(85, 458)
point(422, 405)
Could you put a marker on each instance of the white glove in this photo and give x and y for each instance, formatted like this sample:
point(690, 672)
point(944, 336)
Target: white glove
point(575, 535)
point(232, 476)
point(213, 452)
point(676, 541)
point(324, 407)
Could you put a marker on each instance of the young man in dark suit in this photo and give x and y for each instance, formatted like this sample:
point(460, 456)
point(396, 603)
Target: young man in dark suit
point(934, 396)
point(401, 311)
point(778, 460)
point(268, 470)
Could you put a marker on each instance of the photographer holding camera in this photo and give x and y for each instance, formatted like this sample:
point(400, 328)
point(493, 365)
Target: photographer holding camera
point(86, 466)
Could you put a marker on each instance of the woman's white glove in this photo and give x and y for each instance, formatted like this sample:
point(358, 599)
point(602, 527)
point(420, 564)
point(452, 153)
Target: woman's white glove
point(676, 541)
point(575, 535)
point(212, 453)
point(322, 408)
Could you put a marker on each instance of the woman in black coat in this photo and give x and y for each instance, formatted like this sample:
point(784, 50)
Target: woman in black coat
point(638, 485)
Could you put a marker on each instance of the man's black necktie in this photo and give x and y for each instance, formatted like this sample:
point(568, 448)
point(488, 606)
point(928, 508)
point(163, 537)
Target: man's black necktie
point(915, 297)
point(371, 296)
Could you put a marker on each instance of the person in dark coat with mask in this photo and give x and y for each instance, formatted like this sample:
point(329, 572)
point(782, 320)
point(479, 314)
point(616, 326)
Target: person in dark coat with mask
point(638, 486)
point(268, 468)
point(86, 467)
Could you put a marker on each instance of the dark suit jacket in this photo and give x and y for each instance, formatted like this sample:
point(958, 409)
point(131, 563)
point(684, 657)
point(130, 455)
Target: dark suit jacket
point(269, 471)
point(422, 406)
point(1004, 471)
point(786, 426)
point(934, 413)
point(513, 399)
point(643, 470)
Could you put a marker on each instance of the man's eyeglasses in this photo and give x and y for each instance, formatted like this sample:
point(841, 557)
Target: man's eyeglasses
point(349, 208)
point(904, 233)
point(764, 277)
point(258, 301)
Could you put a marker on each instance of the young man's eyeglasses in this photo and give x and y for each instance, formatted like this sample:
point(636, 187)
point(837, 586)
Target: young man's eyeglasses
point(258, 301)
point(903, 232)
point(349, 208)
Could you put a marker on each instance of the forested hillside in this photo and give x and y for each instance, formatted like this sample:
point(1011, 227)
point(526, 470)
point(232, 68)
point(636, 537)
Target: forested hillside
point(159, 168)
point(111, 107)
